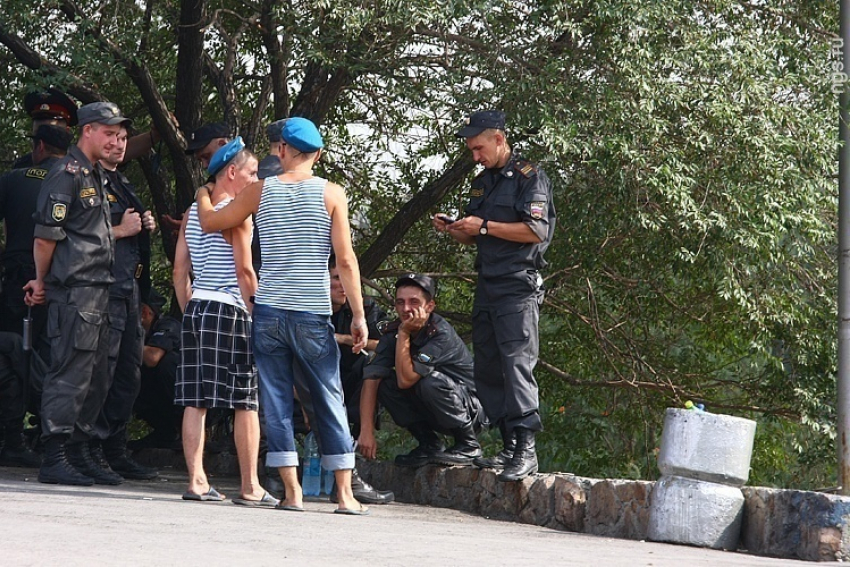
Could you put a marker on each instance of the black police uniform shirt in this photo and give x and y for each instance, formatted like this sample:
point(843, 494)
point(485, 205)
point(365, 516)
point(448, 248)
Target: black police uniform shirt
point(518, 192)
point(127, 267)
point(435, 347)
point(73, 211)
point(19, 191)
point(269, 166)
point(341, 321)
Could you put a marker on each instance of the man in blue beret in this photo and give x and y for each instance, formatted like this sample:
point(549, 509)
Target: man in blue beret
point(302, 219)
point(74, 251)
point(510, 218)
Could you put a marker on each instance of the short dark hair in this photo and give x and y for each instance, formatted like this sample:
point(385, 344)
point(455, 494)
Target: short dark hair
point(332, 261)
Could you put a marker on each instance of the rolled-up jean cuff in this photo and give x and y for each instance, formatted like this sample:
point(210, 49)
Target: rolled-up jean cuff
point(282, 459)
point(338, 462)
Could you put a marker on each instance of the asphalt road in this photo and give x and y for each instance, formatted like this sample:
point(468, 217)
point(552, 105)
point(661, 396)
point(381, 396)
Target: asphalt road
point(147, 523)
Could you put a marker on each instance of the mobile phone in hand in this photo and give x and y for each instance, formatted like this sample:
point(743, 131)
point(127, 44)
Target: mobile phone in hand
point(446, 219)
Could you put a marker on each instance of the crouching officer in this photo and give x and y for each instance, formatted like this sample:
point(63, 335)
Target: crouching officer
point(422, 374)
point(73, 251)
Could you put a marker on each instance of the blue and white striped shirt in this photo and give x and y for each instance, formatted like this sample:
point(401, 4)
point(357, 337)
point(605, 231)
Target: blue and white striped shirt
point(295, 242)
point(212, 262)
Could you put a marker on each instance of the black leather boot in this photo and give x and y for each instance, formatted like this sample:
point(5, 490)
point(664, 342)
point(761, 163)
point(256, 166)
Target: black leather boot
point(364, 492)
point(524, 460)
point(504, 456)
point(16, 454)
point(115, 450)
point(79, 455)
point(55, 468)
point(463, 452)
point(429, 445)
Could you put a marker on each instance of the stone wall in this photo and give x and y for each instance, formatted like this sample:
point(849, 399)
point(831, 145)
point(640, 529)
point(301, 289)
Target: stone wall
point(780, 523)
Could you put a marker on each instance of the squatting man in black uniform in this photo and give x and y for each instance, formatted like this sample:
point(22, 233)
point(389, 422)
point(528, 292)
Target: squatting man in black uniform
point(511, 220)
point(73, 251)
point(422, 374)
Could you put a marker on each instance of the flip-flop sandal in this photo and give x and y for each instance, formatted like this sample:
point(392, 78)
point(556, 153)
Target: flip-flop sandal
point(289, 508)
point(212, 495)
point(353, 511)
point(267, 501)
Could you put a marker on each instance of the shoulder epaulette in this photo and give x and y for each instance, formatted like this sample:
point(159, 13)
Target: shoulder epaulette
point(72, 167)
point(386, 327)
point(527, 168)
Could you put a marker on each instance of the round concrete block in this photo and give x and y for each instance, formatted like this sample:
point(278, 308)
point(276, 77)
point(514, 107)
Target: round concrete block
point(705, 514)
point(706, 446)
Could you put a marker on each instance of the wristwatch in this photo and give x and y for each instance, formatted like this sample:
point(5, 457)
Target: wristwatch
point(483, 230)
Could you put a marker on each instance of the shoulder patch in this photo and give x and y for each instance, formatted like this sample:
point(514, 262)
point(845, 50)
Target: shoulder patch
point(476, 192)
point(36, 173)
point(537, 209)
point(59, 211)
point(424, 358)
point(526, 168)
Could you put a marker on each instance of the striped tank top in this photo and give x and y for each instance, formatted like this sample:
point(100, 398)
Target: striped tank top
point(212, 262)
point(295, 243)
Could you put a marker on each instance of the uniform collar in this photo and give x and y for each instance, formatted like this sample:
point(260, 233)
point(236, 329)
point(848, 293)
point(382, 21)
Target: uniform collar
point(508, 170)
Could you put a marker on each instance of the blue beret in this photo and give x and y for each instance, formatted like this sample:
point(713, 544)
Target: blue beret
point(302, 135)
point(224, 154)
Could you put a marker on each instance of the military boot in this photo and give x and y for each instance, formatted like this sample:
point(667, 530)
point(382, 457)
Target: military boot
point(55, 468)
point(115, 450)
point(503, 457)
point(524, 460)
point(79, 455)
point(463, 452)
point(429, 445)
point(15, 453)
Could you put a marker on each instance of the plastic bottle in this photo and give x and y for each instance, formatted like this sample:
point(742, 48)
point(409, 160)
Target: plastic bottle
point(327, 481)
point(311, 478)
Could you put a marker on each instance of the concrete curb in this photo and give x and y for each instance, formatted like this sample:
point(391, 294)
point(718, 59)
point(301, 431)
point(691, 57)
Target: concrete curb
point(791, 524)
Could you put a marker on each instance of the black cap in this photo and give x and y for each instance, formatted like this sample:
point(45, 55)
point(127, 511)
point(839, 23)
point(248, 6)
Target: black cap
point(51, 104)
point(425, 282)
point(482, 120)
point(155, 301)
point(55, 136)
point(102, 113)
point(273, 130)
point(198, 139)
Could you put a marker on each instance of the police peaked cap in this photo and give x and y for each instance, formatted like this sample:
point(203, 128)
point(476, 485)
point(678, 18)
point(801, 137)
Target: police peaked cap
point(51, 104)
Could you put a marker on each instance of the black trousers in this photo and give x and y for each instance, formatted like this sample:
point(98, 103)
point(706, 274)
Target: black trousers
point(155, 402)
point(77, 381)
point(436, 401)
point(126, 340)
point(505, 321)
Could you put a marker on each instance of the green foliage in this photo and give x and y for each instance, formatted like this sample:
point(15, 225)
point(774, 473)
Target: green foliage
point(691, 147)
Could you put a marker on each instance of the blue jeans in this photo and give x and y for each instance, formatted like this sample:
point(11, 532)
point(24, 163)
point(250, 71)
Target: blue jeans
point(286, 342)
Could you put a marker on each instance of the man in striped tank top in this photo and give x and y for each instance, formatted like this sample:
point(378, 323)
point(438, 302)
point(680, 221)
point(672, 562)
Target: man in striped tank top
point(301, 219)
point(217, 367)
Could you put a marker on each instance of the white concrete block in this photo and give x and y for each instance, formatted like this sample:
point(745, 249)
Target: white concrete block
point(695, 512)
point(706, 446)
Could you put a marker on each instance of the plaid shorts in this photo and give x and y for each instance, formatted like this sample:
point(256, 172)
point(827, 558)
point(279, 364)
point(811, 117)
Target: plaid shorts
point(216, 363)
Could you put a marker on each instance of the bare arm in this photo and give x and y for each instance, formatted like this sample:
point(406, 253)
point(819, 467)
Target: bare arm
point(346, 262)
point(366, 442)
point(42, 251)
point(245, 274)
point(231, 215)
point(182, 268)
point(466, 229)
point(151, 356)
point(405, 374)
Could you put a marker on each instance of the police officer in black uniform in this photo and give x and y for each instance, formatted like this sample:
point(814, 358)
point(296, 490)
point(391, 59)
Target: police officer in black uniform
point(431, 390)
point(511, 219)
point(18, 196)
point(74, 251)
point(160, 358)
point(130, 223)
point(270, 165)
point(52, 108)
